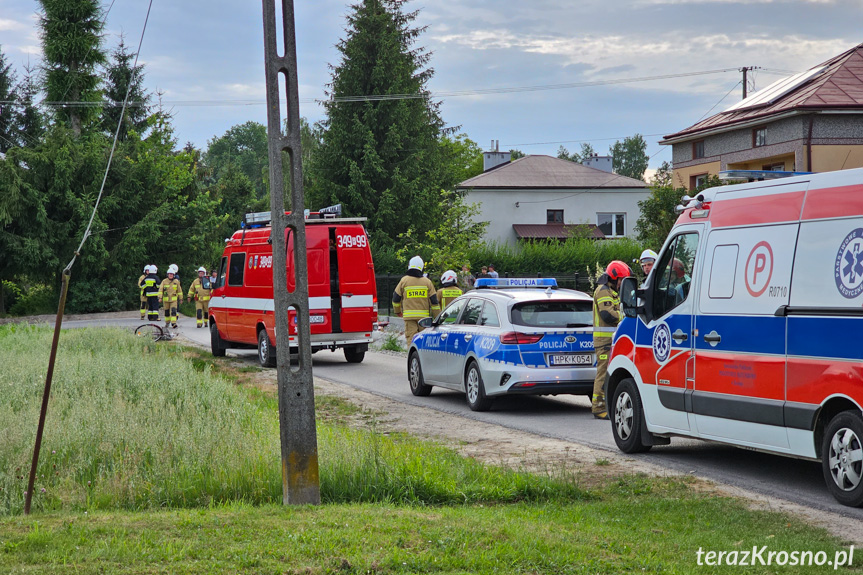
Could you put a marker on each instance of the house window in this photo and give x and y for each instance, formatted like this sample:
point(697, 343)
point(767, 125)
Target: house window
point(697, 149)
point(612, 225)
point(697, 181)
point(554, 216)
point(759, 137)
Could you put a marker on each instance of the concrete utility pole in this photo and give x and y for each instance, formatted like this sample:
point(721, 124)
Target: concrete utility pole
point(300, 481)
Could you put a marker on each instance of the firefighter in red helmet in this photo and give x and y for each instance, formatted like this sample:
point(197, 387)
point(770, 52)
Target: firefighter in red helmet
point(606, 316)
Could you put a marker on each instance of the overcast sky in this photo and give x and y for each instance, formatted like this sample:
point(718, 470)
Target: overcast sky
point(198, 53)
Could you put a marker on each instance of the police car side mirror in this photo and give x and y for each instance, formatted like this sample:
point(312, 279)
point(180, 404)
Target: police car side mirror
point(425, 322)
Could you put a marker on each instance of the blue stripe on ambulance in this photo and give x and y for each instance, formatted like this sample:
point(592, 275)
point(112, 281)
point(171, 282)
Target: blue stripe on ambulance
point(827, 337)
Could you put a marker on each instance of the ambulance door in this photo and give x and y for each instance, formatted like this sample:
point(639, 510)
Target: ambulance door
point(739, 391)
point(355, 289)
point(666, 367)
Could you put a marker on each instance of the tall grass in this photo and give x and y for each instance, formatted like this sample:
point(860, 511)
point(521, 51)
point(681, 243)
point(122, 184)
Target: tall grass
point(134, 425)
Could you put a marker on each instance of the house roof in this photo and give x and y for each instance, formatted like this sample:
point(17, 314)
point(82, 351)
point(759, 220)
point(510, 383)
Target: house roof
point(545, 172)
point(554, 231)
point(838, 87)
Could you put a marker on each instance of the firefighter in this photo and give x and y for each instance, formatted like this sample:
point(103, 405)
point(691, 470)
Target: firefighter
point(448, 289)
point(606, 316)
point(200, 290)
point(150, 288)
point(141, 288)
point(170, 295)
point(647, 259)
point(416, 294)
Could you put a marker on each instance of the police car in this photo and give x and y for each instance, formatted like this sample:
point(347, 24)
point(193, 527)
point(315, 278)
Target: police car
point(508, 336)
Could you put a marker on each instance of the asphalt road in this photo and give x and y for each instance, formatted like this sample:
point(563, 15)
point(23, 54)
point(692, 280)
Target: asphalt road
point(567, 418)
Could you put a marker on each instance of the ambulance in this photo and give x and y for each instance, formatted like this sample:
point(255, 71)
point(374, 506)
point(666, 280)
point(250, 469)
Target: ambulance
point(342, 291)
point(749, 328)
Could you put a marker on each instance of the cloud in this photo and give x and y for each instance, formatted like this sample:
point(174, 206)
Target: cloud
point(7, 25)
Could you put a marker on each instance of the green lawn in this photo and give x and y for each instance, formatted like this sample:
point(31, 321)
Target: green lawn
point(156, 460)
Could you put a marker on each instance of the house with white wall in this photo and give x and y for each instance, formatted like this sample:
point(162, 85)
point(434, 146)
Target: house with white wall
point(542, 197)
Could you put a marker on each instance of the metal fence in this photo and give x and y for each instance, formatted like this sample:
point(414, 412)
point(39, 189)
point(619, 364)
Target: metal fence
point(387, 284)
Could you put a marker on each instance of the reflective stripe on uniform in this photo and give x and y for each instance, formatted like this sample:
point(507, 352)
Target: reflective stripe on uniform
point(414, 313)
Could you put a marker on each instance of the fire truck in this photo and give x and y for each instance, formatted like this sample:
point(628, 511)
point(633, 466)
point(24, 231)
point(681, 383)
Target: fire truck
point(343, 300)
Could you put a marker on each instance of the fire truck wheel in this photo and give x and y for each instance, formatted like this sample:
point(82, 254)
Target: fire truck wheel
point(842, 458)
point(415, 376)
point(217, 346)
point(354, 356)
point(626, 417)
point(475, 389)
point(266, 351)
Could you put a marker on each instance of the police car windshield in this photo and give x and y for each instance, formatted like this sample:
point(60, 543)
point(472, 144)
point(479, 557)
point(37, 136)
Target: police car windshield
point(553, 314)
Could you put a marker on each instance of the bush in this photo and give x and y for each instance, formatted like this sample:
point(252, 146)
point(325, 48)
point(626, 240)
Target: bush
point(35, 300)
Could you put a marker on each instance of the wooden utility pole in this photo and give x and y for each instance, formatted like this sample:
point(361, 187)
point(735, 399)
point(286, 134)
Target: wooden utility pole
point(300, 481)
point(745, 70)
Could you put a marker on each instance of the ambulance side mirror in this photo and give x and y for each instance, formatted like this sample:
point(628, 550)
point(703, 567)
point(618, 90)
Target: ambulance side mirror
point(630, 297)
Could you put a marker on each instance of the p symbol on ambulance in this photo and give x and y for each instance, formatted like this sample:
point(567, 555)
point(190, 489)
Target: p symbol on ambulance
point(759, 269)
point(848, 270)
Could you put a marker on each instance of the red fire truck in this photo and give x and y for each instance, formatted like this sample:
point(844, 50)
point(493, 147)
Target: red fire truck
point(343, 299)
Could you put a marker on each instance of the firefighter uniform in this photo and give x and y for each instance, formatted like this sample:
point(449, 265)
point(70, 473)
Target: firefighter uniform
point(447, 294)
point(150, 288)
point(170, 294)
point(141, 287)
point(414, 299)
point(606, 316)
point(200, 290)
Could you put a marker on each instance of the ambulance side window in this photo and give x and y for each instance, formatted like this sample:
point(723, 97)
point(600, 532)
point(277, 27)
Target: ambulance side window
point(723, 272)
point(236, 269)
point(674, 275)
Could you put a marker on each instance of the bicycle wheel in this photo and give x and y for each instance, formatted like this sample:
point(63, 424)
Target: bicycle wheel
point(150, 330)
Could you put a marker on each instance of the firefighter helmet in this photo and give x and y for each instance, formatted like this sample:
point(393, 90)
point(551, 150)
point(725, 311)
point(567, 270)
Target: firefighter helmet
point(153, 269)
point(448, 277)
point(647, 256)
point(416, 263)
point(172, 269)
point(202, 269)
point(617, 269)
point(147, 269)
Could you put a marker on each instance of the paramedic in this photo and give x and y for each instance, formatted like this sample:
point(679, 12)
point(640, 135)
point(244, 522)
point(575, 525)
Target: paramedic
point(647, 259)
point(200, 290)
point(606, 316)
point(150, 286)
point(448, 288)
point(141, 288)
point(171, 294)
point(415, 298)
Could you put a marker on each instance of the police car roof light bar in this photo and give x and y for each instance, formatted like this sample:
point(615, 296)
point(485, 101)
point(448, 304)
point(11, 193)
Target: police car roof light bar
point(492, 283)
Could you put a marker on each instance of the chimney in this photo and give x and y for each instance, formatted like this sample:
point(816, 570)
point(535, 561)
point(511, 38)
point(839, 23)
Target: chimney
point(494, 157)
point(598, 162)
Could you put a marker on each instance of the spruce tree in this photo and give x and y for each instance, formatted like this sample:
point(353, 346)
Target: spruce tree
point(8, 137)
point(382, 157)
point(119, 74)
point(29, 121)
point(72, 46)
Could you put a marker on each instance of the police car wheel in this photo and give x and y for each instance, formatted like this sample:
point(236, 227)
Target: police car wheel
point(475, 389)
point(626, 416)
point(266, 351)
point(842, 458)
point(415, 376)
point(217, 346)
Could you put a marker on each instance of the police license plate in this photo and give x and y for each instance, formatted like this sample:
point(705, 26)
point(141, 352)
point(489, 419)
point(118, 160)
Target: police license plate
point(570, 359)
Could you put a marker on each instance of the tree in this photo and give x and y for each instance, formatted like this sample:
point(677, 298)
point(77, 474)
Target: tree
point(657, 210)
point(8, 136)
point(629, 158)
point(29, 121)
point(515, 154)
point(72, 46)
point(244, 147)
point(382, 157)
point(578, 157)
point(120, 74)
point(463, 155)
point(662, 177)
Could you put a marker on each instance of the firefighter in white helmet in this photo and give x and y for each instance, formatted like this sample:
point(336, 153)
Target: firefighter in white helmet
point(200, 291)
point(415, 298)
point(647, 259)
point(171, 294)
point(448, 289)
point(151, 290)
point(141, 290)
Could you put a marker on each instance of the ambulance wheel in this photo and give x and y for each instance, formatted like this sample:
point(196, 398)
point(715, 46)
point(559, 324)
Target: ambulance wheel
point(266, 351)
point(352, 355)
point(415, 376)
point(217, 346)
point(626, 417)
point(475, 389)
point(842, 458)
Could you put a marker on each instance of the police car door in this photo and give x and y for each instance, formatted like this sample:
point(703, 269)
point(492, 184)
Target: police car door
point(667, 371)
point(739, 391)
point(461, 341)
point(434, 344)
